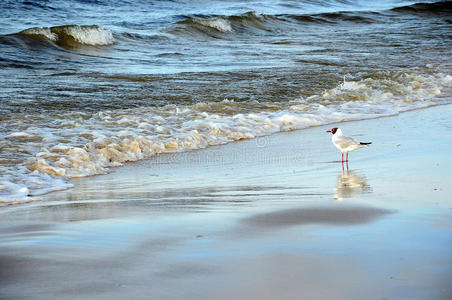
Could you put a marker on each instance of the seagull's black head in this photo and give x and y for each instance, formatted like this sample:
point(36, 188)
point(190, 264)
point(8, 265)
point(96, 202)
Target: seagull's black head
point(333, 131)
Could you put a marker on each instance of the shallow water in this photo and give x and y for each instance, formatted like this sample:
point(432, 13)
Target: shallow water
point(89, 85)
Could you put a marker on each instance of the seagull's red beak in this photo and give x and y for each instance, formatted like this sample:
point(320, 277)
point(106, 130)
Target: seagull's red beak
point(329, 131)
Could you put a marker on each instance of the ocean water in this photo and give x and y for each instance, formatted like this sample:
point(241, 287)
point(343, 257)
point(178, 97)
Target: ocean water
point(90, 85)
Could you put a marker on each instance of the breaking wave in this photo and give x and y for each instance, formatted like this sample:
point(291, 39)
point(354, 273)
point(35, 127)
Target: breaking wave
point(251, 22)
point(218, 25)
point(215, 26)
point(72, 35)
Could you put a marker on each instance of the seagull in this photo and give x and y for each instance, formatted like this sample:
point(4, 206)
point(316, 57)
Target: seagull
point(345, 143)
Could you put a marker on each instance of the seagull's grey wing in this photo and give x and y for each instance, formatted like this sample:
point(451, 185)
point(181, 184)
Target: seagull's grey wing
point(345, 141)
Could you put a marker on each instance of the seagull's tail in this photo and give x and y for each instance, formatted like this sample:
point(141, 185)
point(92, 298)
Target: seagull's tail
point(365, 144)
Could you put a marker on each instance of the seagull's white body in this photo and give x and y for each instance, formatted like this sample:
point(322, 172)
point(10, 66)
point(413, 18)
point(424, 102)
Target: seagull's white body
point(344, 143)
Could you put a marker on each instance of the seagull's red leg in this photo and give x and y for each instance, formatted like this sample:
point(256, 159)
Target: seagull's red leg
point(347, 157)
point(342, 156)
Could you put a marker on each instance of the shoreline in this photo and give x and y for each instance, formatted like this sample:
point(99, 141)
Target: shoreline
point(273, 217)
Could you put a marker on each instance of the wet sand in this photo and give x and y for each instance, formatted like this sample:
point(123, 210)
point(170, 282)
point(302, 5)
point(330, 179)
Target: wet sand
point(350, 215)
point(277, 217)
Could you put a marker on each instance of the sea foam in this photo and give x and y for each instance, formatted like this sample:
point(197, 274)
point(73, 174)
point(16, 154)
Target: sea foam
point(76, 144)
point(218, 24)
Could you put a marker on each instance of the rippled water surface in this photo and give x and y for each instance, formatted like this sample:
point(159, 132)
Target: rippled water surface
point(88, 85)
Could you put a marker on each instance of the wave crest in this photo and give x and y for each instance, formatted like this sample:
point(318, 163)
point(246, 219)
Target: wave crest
point(214, 26)
point(72, 35)
point(218, 24)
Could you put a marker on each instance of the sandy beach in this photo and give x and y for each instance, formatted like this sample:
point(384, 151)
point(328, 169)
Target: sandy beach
point(277, 217)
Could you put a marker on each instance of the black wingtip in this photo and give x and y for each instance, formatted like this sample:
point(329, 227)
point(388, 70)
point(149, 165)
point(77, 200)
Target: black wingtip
point(365, 143)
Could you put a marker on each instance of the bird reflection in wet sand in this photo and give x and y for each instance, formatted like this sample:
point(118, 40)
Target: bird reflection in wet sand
point(350, 184)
